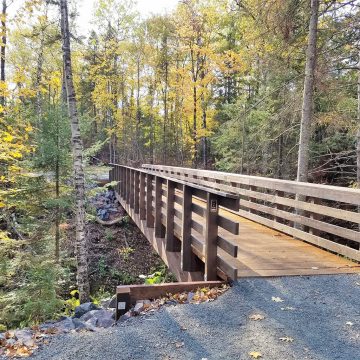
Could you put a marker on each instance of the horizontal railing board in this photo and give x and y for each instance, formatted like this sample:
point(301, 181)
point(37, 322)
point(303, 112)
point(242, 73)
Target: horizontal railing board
point(329, 192)
point(255, 196)
point(229, 225)
point(197, 209)
point(196, 187)
point(315, 224)
point(311, 207)
point(198, 244)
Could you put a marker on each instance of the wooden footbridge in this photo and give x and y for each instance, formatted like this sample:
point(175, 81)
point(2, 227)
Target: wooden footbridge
point(210, 224)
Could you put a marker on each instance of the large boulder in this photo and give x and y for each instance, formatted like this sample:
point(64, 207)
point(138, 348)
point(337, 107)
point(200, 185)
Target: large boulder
point(81, 325)
point(100, 318)
point(64, 326)
point(84, 308)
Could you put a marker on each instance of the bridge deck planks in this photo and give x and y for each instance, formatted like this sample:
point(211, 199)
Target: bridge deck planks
point(266, 252)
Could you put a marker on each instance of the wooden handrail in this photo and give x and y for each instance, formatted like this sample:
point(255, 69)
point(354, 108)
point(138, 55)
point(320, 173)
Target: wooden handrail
point(183, 217)
point(328, 217)
point(328, 192)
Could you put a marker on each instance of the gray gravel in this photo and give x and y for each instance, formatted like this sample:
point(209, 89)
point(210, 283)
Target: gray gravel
point(320, 308)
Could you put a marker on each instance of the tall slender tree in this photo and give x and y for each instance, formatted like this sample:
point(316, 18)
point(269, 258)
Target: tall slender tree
point(307, 106)
point(3, 47)
point(77, 148)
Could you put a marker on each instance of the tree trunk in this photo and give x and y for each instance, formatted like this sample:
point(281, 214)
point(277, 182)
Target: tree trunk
point(57, 215)
point(3, 48)
point(165, 150)
point(307, 107)
point(77, 147)
point(194, 125)
point(358, 130)
point(204, 137)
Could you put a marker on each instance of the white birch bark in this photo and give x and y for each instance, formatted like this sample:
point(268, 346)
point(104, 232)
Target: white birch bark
point(77, 147)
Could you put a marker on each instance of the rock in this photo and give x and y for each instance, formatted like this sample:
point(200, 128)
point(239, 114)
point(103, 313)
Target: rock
point(89, 315)
point(190, 296)
point(25, 337)
point(139, 307)
point(65, 325)
point(171, 302)
point(92, 322)
point(84, 308)
point(99, 318)
point(125, 317)
point(105, 322)
point(80, 325)
point(2, 339)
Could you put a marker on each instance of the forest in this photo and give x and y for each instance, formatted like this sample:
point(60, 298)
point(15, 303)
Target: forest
point(267, 88)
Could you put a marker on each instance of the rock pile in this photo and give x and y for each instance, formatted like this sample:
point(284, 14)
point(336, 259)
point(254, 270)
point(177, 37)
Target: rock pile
point(107, 208)
point(87, 317)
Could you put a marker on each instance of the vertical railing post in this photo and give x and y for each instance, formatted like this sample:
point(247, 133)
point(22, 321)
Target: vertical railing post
point(128, 185)
point(149, 215)
point(142, 197)
point(136, 184)
point(278, 193)
point(159, 232)
point(170, 212)
point(118, 178)
point(211, 235)
point(251, 199)
point(132, 190)
point(188, 260)
point(122, 184)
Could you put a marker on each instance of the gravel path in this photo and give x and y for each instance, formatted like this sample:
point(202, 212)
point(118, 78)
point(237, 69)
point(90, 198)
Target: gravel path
point(321, 314)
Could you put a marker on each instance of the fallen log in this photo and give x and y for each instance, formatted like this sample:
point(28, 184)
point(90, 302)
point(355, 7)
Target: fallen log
point(111, 222)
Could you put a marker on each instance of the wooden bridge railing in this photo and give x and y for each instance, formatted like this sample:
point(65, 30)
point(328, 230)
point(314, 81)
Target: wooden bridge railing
point(181, 218)
point(326, 216)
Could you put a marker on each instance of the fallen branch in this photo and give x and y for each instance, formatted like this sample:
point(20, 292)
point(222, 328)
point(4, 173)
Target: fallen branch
point(109, 223)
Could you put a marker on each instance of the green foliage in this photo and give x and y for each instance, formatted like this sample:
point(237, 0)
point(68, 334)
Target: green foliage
point(109, 235)
point(160, 275)
point(36, 299)
point(72, 302)
point(102, 266)
point(123, 277)
point(53, 141)
point(126, 252)
point(100, 295)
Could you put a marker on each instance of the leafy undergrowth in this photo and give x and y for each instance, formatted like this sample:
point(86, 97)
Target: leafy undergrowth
point(121, 255)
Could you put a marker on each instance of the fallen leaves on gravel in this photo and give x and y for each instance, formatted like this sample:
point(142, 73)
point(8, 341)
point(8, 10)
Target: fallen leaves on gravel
point(179, 345)
point(22, 343)
point(277, 299)
point(13, 345)
point(286, 339)
point(256, 317)
point(288, 308)
point(255, 354)
point(199, 296)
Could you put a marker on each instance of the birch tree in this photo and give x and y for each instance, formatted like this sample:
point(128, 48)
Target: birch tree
point(77, 148)
point(3, 47)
